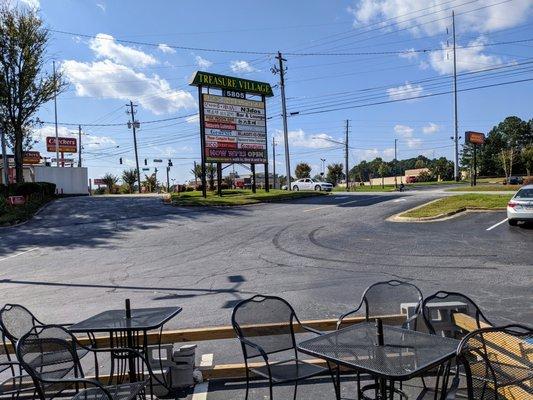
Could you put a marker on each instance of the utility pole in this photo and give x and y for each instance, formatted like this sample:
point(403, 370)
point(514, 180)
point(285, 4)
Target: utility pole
point(134, 124)
point(395, 163)
point(456, 124)
point(5, 163)
point(55, 113)
point(79, 144)
point(281, 71)
point(274, 161)
point(346, 154)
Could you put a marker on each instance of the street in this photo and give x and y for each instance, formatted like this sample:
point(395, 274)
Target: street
point(85, 254)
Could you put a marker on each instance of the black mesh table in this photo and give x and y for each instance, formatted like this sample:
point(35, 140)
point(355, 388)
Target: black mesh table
point(404, 355)
point(128, 331)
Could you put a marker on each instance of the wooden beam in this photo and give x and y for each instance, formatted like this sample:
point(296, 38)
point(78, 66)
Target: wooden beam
point(227, 332)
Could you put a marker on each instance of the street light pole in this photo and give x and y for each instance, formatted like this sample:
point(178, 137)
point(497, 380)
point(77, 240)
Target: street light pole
point(55, 113)
point(273, 162)
point(79, 144)
point(456, 124)
point(281, 70)
point(395, 163)
point(346, 155)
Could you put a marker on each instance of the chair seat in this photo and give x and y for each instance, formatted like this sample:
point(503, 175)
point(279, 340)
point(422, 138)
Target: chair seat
point(289, 370)
point(506, 374)
point(127, 391)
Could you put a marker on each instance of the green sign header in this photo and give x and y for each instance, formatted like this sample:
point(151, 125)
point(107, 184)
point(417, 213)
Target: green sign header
point(231, 83)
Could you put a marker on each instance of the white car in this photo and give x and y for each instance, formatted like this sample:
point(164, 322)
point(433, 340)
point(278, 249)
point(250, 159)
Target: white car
point(309, 184)
point(520, 207)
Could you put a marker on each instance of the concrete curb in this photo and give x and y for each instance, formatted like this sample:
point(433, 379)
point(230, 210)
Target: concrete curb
point(29, 219)
point(439, 217)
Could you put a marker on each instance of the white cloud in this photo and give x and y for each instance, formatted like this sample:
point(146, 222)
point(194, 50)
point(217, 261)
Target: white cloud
point(165, 48)
point(194, 119)
point(105, 46)
point(101, 6)
point(106, 79)
point(202, 62)
point(241, 66)
point(40, 134)
point(430, 128)
point(410, 54)
point(299, 138)
point(406, 133)
point(35, 4)
point(95, 142)
point(468, 59)
point(405, 91)
point(406, 15)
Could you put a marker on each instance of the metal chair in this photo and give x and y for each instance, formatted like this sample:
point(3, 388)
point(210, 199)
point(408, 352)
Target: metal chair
point(438, 310)
point(265, 325)
point(497, 363)
point(50, 355)
point(385, 298)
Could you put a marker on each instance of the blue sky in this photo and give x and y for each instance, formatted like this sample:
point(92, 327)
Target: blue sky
point(378, 58)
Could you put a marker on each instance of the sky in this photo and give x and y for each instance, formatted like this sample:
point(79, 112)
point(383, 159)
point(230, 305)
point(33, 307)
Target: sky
point(383, 65)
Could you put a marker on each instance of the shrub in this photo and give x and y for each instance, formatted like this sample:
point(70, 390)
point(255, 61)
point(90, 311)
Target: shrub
point(3, 191)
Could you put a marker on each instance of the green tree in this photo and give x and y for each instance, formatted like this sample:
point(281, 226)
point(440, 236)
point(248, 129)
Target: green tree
point(197, 172)
point(420, 163)
point(442, 168)
point(303, 170)
point(515, 134)
point(527, 157)
point(129, 177)
point(110, 181)
point(24, 86)
point(335, 174)
point(150, 183)
point(383, 171)
point(210, 171)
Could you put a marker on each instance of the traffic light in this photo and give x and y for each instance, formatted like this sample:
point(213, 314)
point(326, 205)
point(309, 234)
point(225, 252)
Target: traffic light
point(145, 161)
point(170, 162)
point(120, 160)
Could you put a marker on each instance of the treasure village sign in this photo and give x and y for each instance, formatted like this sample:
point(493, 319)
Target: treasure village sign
point(233, 127)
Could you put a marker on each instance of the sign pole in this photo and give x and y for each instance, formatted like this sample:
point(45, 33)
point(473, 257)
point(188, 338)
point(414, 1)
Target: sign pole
point(267, 179)
point(202, 139)
point(273, 162)
point(219, 179)
point(253, 178)
point(475, 165)
point(55, 114)
point(79, 144)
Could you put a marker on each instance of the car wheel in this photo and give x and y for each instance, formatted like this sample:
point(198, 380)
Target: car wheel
point(318, 188)
point(295, 188)
point(512, 222)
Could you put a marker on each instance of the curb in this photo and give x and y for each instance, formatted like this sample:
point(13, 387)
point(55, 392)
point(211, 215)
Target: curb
point(439, 217)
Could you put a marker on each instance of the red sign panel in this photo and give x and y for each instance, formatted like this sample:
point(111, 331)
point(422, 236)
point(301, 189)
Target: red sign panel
point(474, 137)
point(66, 145)
point(31, 157)
point(17, 200)
point(98, 181)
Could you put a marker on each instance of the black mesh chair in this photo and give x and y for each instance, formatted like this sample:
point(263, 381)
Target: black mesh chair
point(49, 354)
point(385, 298)
point(438, 309)
point(263, 341)
point(498, 363)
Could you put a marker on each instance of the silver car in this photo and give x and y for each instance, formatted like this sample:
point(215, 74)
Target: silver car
point(520, 207)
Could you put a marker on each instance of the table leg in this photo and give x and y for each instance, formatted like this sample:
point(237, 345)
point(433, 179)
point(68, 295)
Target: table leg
point(131, 357)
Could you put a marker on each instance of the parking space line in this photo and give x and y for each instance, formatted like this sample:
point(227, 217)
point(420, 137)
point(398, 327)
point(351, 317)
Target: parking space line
point(200, 391)
point(339, 204)
point(495, 225)
point(19, 254)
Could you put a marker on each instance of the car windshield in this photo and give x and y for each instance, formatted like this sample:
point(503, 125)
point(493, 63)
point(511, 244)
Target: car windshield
point(524, 194)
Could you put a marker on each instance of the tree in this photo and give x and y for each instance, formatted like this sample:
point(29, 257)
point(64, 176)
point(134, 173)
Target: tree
point(442, 168)
point(527, 157)
point(383, 170)
point(334, 174)
point(420, 163)
point(515, 135)
point(150, 182)
point(197, 172)
point(110, 181)
point(210, 171)
point(129, 177)
point(24, 87)
point(303, 170)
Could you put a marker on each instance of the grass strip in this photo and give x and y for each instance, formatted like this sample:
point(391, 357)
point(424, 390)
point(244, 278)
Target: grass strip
point(453, 204)
point(238, 197)
point(486, 188)
point(10, 215)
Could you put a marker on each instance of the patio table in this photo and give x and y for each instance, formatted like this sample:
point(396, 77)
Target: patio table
point(403, 355)
point(128, 328)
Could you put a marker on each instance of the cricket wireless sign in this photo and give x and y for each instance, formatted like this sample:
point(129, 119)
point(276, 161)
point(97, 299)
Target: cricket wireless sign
point(234, 128)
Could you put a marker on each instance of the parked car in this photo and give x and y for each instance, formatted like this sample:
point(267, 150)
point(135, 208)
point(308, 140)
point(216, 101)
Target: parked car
point(520, 207)
point(310, 184)
point(515, 180)
point(411, 179)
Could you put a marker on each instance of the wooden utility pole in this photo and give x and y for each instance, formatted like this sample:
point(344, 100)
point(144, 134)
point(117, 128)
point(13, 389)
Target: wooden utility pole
point(134, 126)
point(456, 124)
point(79, 145)
point(346, 154)
point(281, 71)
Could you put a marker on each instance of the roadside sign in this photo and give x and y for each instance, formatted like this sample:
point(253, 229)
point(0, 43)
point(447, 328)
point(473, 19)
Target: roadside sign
point(31, 157)
point(98, 181)
point(66, 145)
point(474, 137)
point(231, 83)
point(158, 160)
point(146, 169)
point(17, 200)
point(63, 160)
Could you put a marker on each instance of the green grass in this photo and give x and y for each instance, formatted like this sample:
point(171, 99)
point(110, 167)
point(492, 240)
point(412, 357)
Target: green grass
point(459, 203)
point(10, 215)
point(238, 197)
point(487, 188)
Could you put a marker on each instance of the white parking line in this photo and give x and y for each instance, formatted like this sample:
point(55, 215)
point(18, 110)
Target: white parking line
point(19, 254)
point(340, 204)
point(495, 225)
point(200, 391)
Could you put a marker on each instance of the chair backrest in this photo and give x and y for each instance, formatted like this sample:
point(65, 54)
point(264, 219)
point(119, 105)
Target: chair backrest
point(49, 352)
point(495, 363)
point(16, 321)
point(439, 308)
point(386, 298)
point(265, 310)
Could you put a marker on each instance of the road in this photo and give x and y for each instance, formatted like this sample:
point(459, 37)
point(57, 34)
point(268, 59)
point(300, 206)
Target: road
point(82, 255)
